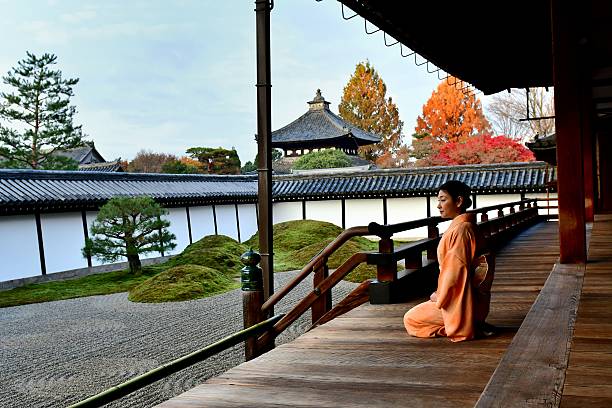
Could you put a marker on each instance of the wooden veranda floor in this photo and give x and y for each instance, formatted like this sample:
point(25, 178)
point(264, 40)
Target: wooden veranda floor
point(365, 358)
point(588, 381)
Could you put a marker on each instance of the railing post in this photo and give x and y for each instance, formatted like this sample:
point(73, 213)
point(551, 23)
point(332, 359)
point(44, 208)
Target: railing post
point(414, 260)
point(252, 298)
point(512, 218)
point(432, 232)
point(324, 303)
point(486, 231)
point(386, 273)
point(501, 225)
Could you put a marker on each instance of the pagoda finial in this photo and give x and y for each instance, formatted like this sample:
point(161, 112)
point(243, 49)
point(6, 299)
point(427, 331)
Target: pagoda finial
point(318, 102)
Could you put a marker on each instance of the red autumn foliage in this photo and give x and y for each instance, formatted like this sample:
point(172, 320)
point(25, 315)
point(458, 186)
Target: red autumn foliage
point(481, 149)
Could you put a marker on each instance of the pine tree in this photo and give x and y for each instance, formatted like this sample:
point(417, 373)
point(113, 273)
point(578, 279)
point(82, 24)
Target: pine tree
point(364, 105)
point(128, 227)
point(448, 116)
point(39, 114)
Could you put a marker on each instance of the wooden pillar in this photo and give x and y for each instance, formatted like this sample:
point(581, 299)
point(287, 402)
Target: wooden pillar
point(568, 108)
point(86, 235)
point(189, 225)
point(385, 219)
point(264, 142)
point(587, 154)
point(215, 219)
point(41, 246)
point(604, 171)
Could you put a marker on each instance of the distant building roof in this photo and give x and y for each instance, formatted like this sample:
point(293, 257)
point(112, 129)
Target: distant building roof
point(109, 167)
point(27, 191)
point(320, 127)
point(544, 148)
point(86, 154)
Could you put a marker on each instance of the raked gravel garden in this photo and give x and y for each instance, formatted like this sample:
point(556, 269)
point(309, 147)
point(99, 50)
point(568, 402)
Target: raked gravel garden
point(57, 353)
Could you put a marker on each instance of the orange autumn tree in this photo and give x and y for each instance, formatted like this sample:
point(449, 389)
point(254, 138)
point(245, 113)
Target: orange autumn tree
point(364, 104)
point(480, 149)
point(448, 116)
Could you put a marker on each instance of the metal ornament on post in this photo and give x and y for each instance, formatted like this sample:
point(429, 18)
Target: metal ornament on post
point(252, 298)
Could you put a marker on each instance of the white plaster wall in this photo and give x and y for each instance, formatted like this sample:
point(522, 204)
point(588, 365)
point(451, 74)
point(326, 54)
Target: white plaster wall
point(543, 203)
point(328, 210)
point(407, 209)
point(63, 240)
point(226, 221)
point(91, 217)
point(247, 215)
point(202, 222)
point(495, 199)
point(363, 212)
point(178, 226)
point(18, 247)
point(289, 211)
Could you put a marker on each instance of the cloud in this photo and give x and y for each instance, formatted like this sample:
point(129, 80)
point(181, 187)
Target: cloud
point(78, 16)
point(45, 32)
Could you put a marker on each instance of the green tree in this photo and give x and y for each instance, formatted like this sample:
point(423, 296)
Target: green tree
point(36, 119)
point(217, 160)
point(147, 161)
point(252, 166)
point(179, 167)
point(128, 227)
point(364, 104)
point(324, 159)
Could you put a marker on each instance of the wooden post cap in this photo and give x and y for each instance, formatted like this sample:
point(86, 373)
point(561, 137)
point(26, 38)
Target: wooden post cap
point(250, 274)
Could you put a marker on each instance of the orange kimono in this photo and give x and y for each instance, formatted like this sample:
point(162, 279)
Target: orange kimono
point(457, 307)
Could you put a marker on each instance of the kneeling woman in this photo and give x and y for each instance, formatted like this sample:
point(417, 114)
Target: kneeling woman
point(456, 309)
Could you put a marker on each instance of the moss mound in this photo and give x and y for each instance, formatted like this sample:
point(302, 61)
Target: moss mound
point(184, 282)
point(213, 251)
point(294, 235)
point(296, 242)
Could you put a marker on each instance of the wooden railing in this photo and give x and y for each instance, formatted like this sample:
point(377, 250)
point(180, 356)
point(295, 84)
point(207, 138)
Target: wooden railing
point(419, 259)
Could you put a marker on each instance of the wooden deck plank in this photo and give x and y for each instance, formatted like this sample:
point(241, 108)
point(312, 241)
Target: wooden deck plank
point(588, 379)
point(365, 358)
point(532, 371)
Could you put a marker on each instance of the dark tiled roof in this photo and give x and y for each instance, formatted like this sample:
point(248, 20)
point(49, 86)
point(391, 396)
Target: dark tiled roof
point(544, 148)
point(27, 190)
point(82, 155)
point(320, 124)
point(23, 191)
point(490, 178)
point(108, 167)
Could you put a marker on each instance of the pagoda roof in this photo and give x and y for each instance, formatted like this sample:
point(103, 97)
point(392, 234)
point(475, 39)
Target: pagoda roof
point(319, 125)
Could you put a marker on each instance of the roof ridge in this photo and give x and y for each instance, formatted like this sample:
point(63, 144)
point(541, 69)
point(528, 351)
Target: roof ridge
point(425, 170)
point(80, 175)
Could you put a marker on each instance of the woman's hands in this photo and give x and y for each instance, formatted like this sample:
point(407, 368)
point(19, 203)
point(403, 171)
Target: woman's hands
point(434, 297)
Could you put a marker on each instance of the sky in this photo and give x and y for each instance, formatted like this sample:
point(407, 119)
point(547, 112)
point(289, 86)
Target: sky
point(169, 75)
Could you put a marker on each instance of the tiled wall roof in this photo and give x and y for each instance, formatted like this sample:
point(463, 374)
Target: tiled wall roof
point(23, 191)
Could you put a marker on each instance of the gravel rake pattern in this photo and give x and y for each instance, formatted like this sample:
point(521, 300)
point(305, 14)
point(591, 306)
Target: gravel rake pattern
point(57, 353)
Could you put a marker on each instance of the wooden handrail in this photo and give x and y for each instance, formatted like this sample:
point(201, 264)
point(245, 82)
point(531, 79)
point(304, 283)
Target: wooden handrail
point(380, 258)
point(306, 270)
point(388, 230)
point(321, 289)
